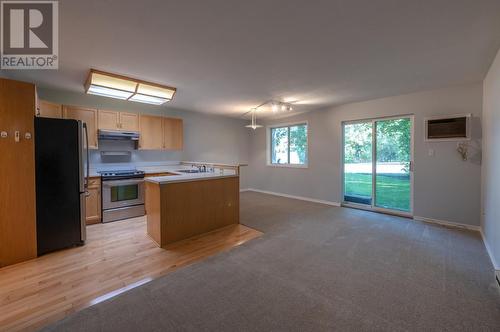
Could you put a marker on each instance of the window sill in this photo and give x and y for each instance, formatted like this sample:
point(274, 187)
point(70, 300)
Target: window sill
point(288, 165)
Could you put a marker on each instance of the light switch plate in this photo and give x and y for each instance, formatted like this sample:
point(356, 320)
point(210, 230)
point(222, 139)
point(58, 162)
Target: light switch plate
point(431, 152)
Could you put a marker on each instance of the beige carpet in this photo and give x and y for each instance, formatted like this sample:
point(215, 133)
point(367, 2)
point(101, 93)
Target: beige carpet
point(317, 268)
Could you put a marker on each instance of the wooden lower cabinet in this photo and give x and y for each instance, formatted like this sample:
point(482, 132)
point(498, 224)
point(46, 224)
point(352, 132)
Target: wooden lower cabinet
point(93, 202)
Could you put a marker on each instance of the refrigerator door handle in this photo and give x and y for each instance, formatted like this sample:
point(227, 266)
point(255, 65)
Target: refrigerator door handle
point(84, 178)
point(80, 155)
point(83, 218)
point(87, 179)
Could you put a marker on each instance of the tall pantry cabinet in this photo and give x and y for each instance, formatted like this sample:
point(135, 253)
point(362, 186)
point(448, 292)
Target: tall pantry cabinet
point(17, 172)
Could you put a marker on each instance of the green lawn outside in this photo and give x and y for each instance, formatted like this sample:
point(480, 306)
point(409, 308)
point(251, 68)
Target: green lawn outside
point(393, 192)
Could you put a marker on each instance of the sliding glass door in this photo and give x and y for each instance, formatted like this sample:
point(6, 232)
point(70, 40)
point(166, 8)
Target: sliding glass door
point(377, 169)
point(358, 167)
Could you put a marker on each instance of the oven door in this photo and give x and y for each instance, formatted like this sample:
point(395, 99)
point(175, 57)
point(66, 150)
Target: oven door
point(122, 193)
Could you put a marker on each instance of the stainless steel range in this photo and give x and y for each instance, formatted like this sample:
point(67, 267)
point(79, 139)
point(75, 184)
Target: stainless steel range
point(122, 194)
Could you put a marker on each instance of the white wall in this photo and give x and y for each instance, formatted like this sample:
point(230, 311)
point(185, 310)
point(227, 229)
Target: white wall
point(446, 188)
point(491, 162)
point(206, 137)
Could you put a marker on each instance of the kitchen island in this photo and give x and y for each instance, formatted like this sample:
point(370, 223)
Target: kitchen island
point(180, 206)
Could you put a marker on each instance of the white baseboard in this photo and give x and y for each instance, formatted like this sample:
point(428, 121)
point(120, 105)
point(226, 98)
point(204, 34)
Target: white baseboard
point(496, 265)
point(448, 223)
point(308, 199)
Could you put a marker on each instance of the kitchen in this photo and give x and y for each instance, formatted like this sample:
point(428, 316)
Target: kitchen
point(84, 195)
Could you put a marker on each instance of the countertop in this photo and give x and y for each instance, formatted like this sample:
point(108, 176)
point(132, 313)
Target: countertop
point(147, 169)
point(185, 177)
point(178, 176)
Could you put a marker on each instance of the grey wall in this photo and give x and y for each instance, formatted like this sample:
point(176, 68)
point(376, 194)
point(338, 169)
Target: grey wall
point(491, 162)
point(446, 188)
point(206, 137)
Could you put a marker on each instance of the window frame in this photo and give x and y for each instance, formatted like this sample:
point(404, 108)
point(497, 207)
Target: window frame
point(269, 147)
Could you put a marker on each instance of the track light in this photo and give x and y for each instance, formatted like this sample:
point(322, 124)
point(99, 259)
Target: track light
point(274, 106)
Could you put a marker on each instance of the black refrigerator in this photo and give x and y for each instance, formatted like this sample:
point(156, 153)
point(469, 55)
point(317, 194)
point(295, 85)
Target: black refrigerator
point(61, 160)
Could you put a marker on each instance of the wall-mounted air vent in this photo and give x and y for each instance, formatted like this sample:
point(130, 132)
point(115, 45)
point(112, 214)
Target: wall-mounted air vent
point(449, 128)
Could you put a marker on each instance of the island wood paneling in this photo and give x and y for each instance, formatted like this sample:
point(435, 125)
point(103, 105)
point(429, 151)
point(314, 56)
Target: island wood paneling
point(118, 256)
point(153, 208)
point(17, 173)
point(185, 209)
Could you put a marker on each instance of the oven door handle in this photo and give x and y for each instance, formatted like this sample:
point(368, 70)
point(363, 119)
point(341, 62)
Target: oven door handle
point(115, 183)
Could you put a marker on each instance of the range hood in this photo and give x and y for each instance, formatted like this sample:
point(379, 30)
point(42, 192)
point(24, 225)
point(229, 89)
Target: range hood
point(116, 135)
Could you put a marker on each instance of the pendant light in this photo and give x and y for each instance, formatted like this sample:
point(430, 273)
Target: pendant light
point(254, 124)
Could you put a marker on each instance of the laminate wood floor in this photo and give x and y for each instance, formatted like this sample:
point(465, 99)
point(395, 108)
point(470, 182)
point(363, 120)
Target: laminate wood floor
point(118, 256)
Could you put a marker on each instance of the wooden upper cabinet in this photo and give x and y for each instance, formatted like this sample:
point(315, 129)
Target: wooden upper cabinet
point(129, 121)
point(114, 120)
point(108, 120)
point(86, 115)
point(173, 134)
point(151, 128)
point(47, 109)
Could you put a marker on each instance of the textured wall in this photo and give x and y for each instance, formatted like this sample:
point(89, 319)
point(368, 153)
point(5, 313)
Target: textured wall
point(491, 161)
point(446, 188)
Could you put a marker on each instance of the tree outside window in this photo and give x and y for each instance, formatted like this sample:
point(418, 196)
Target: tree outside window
point(289, 145)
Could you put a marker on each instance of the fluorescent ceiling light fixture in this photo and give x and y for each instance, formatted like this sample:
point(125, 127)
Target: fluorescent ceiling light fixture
point(254, 124)
point(121, 87)
point(148, 99)
point(109, 92)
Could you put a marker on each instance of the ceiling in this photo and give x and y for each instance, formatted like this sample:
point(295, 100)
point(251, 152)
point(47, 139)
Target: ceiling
point(226, 57)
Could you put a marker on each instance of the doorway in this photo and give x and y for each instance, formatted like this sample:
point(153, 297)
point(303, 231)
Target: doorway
point(377, 167)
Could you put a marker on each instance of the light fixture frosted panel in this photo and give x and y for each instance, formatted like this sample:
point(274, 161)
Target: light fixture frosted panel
point(112, 82)
point(156, 91)
point(109, 92)
point(148, 99)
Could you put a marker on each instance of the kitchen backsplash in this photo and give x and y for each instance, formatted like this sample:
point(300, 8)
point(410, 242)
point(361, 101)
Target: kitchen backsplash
point(134, 157)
